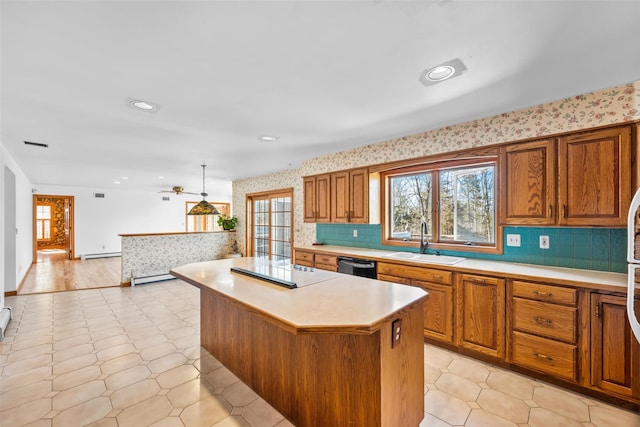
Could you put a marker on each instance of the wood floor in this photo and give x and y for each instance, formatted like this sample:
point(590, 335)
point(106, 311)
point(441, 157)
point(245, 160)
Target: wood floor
point(54, 273)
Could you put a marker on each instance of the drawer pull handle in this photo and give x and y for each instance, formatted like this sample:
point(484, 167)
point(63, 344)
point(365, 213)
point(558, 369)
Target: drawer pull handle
point(434, 277)
point(545, 294)
point(543, 356)
point(542, 321)
point(478, 280)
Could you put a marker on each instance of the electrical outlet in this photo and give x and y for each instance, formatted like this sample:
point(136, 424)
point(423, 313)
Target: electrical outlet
point(513, 240)
point(396, 332)
point(544, 242)
point(355, 233)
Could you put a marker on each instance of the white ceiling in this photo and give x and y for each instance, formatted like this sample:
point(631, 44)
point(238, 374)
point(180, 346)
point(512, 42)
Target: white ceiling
point(322, 76)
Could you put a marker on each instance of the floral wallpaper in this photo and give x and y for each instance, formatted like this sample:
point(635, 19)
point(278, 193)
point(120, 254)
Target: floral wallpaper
point(610, 106)
point(148, 255)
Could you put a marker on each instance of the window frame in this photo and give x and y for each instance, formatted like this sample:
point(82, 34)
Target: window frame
point(40, 223)
point(268, 196)
point(434, 168)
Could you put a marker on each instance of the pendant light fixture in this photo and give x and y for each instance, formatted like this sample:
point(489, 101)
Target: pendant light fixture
point(204, 207)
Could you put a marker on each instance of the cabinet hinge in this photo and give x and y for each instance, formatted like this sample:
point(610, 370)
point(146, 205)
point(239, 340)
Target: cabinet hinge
point(597, 309)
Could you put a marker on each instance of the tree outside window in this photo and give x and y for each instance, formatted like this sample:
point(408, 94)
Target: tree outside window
point(457, 202)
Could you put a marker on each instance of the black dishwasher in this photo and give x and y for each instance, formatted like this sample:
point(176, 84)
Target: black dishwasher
point(357, 267)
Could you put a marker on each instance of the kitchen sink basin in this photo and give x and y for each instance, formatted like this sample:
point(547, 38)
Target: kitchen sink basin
point(426, 258)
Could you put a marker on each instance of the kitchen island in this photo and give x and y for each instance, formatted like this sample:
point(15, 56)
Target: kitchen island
point(323, 353)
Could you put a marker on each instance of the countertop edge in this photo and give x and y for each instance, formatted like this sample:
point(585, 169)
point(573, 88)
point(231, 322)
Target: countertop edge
point(355, 329)
point(592, 279)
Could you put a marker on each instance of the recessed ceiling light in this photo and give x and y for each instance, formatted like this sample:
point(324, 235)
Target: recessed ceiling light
point(143, 105)
point(116, 182)
point(125, 177)
point(267, 138)
point(161, 177)
point(442, 72)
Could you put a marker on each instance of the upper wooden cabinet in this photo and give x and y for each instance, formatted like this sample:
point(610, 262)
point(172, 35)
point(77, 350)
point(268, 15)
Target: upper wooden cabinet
point(337, 197)
point(594, 179)
point(528, 183)
point(317, 198)
point(587, 183)
point(350, 196)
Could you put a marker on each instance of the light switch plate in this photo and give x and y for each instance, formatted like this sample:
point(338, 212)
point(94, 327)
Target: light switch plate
point(544, 242)
point(396, 332)
point(513, 240)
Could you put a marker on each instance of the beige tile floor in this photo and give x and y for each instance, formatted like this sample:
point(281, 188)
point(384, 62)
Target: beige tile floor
point(119, 357)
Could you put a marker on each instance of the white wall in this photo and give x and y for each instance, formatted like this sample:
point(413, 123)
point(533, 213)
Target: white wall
point(24, 254)
point(2, 286)
point(98, 222)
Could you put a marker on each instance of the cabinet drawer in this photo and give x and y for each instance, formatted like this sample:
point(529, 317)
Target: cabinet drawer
point(326, 259)
point(482, 280)
point(541, 318)
point(304, 256)
point(541, 292)
point(394, 279)
point(544, 355)
point(420, 273)
point(328, 267)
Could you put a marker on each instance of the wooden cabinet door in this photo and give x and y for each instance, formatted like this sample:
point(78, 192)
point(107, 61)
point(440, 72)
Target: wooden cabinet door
point(309, 188)
point(340, 196)
point(528, 185)
point(359, 196)
point(481, 316)
point(594, 177)
point(316, 198)
point(323, 198)
point(438, 311)
point(615, 354)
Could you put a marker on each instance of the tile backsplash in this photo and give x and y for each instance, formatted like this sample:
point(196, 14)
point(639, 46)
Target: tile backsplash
point(601, 249)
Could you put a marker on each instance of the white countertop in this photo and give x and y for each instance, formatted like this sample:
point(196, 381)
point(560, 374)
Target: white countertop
point(561, 275)
point(336, 302)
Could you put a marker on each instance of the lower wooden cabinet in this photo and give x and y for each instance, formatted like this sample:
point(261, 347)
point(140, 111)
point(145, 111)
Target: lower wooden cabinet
point(544, 329)
point(316, 260)
point(439, 307)
point(541, 354)
point(326, 262)
point(615, 353)
point(481, 314)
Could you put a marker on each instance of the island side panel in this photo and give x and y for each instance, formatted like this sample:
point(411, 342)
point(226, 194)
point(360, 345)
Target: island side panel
point(402, 370)
point(324, 379)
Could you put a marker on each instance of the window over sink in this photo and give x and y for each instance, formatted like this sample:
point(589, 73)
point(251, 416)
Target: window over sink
point(457, 200)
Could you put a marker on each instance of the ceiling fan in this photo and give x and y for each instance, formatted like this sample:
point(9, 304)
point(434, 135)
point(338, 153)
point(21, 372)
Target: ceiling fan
point(178, 190)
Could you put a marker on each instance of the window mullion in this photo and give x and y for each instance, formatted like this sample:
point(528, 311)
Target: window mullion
point(435, 206)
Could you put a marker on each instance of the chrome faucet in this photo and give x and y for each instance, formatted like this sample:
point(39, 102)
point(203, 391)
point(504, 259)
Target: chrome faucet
point(424, 241)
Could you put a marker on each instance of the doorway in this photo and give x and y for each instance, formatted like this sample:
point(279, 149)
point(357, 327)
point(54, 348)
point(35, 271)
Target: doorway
point(53, 234)
point(270, 224)
point(9, 231)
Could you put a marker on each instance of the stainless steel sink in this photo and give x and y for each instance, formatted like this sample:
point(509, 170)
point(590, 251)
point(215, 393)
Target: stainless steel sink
point(425, 258)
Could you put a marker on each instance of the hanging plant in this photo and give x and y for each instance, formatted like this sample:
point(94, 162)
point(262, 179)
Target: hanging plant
point(227, 223)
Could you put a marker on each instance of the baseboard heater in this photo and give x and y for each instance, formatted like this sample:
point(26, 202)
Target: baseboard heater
point(101, 255)
point(139, 280)
point(5, 316)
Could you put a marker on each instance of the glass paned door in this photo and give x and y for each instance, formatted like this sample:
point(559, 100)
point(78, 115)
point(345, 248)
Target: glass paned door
point(281, 228)
point(261, 228)
point(271, 224)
